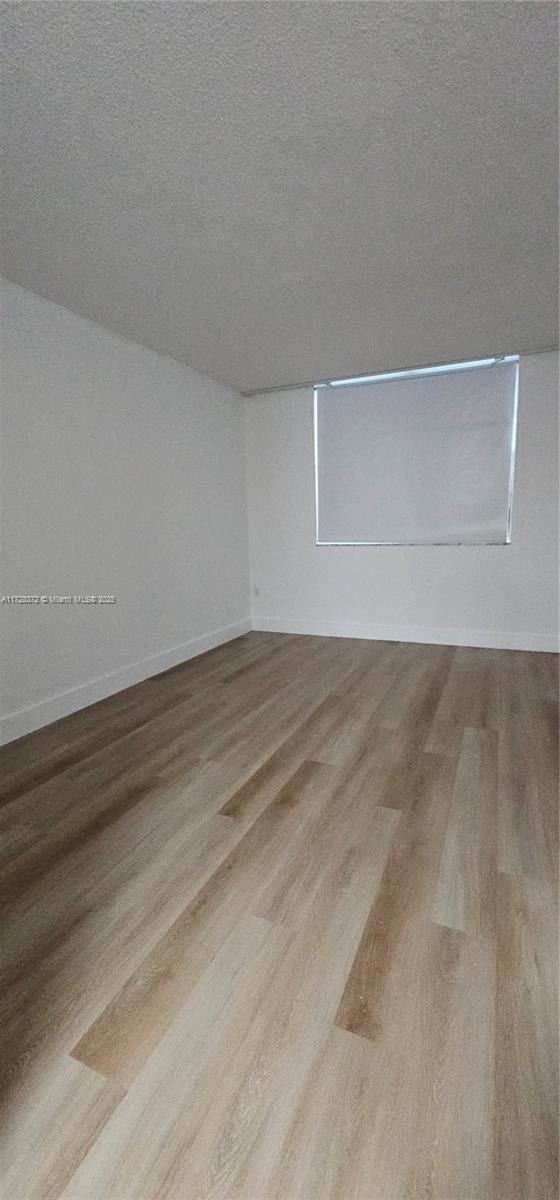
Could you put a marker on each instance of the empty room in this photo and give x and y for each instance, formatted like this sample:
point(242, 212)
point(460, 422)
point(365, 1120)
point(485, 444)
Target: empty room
point(279, 600)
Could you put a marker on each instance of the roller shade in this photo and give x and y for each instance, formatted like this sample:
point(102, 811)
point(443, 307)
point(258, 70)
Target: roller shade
point(417, 457)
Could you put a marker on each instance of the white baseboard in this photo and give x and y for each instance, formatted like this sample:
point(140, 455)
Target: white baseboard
point(486, 638)
point(25, 720)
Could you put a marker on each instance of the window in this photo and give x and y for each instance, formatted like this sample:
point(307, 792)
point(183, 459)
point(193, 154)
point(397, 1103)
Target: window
point(416, 457)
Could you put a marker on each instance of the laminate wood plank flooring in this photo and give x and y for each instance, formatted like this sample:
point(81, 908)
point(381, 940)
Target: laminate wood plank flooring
point(281, 924)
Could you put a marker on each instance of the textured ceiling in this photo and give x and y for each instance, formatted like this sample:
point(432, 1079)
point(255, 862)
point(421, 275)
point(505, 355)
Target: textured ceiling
point(276, 192)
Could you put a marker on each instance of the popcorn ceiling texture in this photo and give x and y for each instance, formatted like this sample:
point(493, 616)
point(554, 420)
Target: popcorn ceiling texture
point(278, 192)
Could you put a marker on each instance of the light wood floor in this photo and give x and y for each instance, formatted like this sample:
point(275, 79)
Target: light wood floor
point(281, 925)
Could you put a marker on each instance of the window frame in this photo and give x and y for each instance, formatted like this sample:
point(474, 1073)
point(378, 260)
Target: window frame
point(412, 373)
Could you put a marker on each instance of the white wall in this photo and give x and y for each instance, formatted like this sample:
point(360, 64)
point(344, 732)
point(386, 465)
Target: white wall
point(474, 595)
point(123, 473)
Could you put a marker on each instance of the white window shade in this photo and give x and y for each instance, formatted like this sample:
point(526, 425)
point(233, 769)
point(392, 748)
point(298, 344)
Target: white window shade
point(417, 457)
